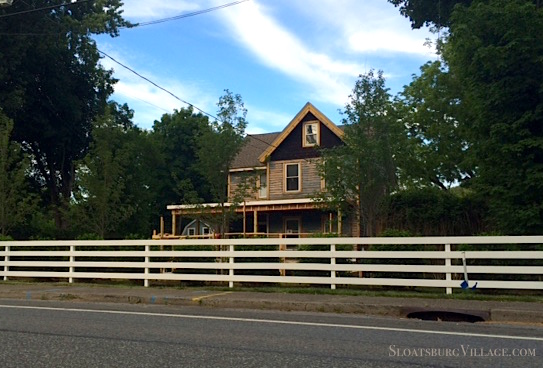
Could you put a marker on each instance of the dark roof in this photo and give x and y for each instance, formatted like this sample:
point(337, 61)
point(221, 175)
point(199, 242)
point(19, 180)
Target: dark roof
point(254, 145)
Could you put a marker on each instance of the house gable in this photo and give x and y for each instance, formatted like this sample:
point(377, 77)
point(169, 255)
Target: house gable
point(292, 146)
point(290, 141)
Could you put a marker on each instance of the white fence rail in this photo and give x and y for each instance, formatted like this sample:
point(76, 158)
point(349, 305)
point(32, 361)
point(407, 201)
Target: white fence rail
point(437, 262)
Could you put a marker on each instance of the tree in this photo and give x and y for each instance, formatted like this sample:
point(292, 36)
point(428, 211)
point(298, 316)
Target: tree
point(177, 136)
point(217, 148)
point(436, 13)
point(144, 185)
point(495, 49)
point(16, 203)
point(53, 86)
point(362, 172)
point(435, 119)
point(421, 13)
point(104, 174)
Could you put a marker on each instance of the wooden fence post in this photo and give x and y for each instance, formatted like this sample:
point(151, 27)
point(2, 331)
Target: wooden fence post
point(333, 263)
point(448, 265)
point(231, 271)
point(146, 270)
point(72, 260)
point(6, 259)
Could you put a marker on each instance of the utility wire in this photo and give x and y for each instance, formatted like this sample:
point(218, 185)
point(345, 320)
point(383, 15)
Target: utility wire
point(186, 15)
point(172, 94)
point(45, 8)
point(156, 85)
point(157, 21)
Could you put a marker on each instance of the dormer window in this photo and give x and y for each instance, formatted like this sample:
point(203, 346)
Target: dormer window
point(311, 136)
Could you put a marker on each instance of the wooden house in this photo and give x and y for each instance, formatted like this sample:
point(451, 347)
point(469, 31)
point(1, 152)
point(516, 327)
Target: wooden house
point(285, 179)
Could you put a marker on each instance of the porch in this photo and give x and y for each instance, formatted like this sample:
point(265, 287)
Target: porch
point(266, 218)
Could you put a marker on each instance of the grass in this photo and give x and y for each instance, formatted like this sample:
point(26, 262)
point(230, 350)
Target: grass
point(500, 295)
point(429, 293)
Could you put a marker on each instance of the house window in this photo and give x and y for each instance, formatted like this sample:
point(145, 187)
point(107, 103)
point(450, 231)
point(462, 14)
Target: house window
point(311, 134)
point(292, 177)
point(205, 230)
point(191, 231)
point(262, 186)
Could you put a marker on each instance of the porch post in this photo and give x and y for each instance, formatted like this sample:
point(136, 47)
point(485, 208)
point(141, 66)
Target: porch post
point(174, 223)
point(161, 226)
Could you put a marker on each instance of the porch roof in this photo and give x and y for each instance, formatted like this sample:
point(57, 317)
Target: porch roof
point(263, 205)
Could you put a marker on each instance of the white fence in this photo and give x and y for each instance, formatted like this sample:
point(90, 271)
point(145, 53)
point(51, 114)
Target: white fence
point(435, 262)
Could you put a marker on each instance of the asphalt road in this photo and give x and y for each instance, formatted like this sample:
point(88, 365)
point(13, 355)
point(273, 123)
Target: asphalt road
point(60, 334)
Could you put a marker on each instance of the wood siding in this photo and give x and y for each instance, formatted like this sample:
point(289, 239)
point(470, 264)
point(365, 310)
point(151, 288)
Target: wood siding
point(238, 178)
point(310, 179)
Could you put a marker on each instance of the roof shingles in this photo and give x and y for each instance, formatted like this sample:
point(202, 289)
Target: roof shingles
point(254, 145)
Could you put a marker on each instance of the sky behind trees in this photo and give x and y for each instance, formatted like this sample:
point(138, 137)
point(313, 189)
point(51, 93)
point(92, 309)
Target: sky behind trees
point(276, 54)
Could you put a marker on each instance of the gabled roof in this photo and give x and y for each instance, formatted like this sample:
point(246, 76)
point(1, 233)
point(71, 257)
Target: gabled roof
point(308, 108)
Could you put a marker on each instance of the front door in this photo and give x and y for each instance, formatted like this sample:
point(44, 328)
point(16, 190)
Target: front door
point(292, 229)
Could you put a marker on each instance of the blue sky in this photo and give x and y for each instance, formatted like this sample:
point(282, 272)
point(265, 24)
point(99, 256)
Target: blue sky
point(277, 54)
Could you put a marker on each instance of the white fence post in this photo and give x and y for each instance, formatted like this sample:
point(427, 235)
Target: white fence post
point(72, 260)
point(448, 265)
point(333, 263)
point(147, 261)
point(231, 271)
point(6, 259)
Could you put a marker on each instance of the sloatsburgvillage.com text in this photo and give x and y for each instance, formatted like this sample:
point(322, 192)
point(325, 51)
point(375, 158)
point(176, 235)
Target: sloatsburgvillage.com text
point(462, 351)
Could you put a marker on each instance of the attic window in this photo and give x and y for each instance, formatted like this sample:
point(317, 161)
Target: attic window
point(311, 134)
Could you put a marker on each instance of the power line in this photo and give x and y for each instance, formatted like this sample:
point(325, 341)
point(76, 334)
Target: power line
point(156, 85)
point(45, 8)
point(172, 94)
point(186, 15)
point(157, 21)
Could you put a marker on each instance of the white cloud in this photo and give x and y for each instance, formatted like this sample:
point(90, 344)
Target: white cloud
point(369, 26)
point(276, 47)
point(342, 35)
